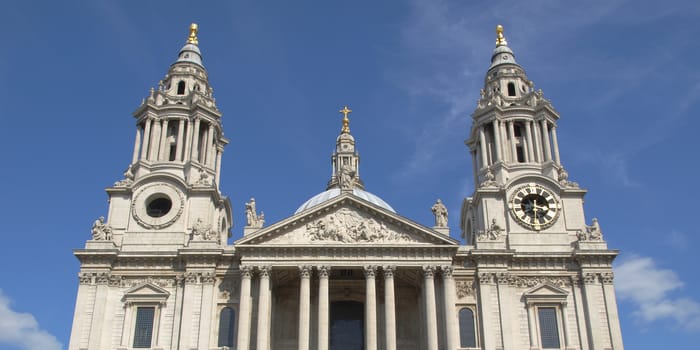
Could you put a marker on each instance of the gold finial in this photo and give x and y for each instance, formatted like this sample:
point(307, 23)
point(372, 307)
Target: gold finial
point(346, 121)
point(193, 34)
point(500, 39)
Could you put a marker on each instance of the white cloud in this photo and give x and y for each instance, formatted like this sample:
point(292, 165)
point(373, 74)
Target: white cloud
point(649, 288)
point(21, 330)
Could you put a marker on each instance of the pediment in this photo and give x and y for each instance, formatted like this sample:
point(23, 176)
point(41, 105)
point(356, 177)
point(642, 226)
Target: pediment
point(146, 292)
point(346, 220)
point(545, 292)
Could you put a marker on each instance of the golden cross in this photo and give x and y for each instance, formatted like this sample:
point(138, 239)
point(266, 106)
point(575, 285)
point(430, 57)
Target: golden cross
point(500, 39)
point(193, 34)
point(346, 121)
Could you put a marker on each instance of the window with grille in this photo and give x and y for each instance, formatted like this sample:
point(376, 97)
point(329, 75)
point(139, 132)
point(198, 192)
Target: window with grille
point(549, 330)
point(226, 324)
point(467, 331)
point(143, 331)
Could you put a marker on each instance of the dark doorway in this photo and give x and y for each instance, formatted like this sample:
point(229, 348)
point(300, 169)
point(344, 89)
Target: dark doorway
point(347, 325)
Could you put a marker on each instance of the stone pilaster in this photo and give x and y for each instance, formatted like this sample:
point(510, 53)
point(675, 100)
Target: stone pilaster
point(389, 308)
point(264, 301)
point(430, 308)
point(244, 309)
point(323, 307)
point(370, 308)
point(304, 306)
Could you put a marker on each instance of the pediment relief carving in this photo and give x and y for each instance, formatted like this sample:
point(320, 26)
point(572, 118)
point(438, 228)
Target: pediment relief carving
point(347, 225)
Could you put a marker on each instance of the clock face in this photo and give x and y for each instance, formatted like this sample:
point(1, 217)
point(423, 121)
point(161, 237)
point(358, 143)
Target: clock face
point(534, 207)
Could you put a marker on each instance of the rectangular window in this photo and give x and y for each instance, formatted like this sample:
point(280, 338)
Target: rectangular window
point(549, 330)
point(143, 330)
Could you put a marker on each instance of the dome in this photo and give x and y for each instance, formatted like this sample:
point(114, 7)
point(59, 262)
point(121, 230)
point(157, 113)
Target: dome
point(335, 192)
point(190, 53)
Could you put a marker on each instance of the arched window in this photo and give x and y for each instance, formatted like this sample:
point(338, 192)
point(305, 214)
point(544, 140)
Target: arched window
point(511, 89)
point(181, 88)
point(227, 320)
point(467, 329)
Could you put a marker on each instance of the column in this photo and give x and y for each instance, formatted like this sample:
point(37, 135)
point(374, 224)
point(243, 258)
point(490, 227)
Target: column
point(538, 143)
point(98, 311)
point(190, 292)
point(430, 312)
point(449, 297)
point(304, 307)
point(195, 140)
point(555, 145)
point(370, 308)
point(218, 166)
point(504, 139)
point(323, 308)
point(180, 141)
point(389, 308)
point(497, 140)
point(206, 310)
point(179, 289)
point(505, 313)
point(591, 298)
point(164, 142)
point(611, 307)
point(264, 300)
point(146, 139)
point(188, 142)
point(545, 139)
point(244, 309)
point(565, 326)
point(528, 134)
point(137, 145)
point(211, 144)
point(482, 145)
point(491, 335)
point(475, 167)
point(155, 141)
point(532, 326)
point(513, 152)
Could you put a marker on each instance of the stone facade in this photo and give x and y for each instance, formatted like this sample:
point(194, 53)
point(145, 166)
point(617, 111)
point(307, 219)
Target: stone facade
point(345, 271)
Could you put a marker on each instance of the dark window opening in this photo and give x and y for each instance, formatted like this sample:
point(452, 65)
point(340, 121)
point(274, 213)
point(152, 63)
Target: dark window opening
point(227, 321)
point(347, 325)
point(173, 150)
point(516, 131)
point(143, 332)
point(181, 88)
point(467, 331)
point(511, 89)
point(549, 331)
point(159, 207)
point(520, 154)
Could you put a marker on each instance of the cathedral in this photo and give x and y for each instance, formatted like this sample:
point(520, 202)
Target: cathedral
point(345, 271)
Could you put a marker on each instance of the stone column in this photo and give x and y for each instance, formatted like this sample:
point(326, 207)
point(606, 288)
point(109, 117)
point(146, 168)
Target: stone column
point(195, 140)
point(304, 307)
point(591, 297)
point(370, 308)
point(489, 311)
point(218, 166)
point(180, 144)
point(532, 326)
point(389, 308)
point(264, 300)
point(190, 292)
point(244, 309)
point(163, 141)
point(211, 147)
point(545, 139)
point(137, 145)
point(449, 297)
point(430, 309)
point(497, 140)
point(555, 145)
point(188, 142)
point(482, 145)
point(146, 139)
point(538, 142)
point(475, 167)
point(565, 326)
point(506, 321)
point(179, 289)
point(323, 307)
point(528, 134)
point(513, 151)
point(611, 306)
point(207, 312)
point(155, 140)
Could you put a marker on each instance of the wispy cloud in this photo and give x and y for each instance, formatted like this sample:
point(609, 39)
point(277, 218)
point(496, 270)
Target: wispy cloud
point(21, 330)
point(650, 288)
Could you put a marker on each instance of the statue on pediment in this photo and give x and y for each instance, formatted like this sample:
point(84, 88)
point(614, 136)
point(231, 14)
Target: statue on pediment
point(100, 230)
point(252, 218)
point(440, 212)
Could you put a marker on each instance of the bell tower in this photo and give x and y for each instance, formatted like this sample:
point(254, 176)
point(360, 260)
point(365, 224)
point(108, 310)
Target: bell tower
point(523, 198)
point(170, 191)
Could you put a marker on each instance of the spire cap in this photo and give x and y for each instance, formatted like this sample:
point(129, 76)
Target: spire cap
point(346, 121)
point(190, 52)
point(502, 54)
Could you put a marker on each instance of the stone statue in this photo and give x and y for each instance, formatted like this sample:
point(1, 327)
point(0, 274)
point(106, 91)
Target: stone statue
point(494, 231)
point(252, 218)
point(564, 179)
point(346, 178)
point(489, 178)
point(594, 232)
point(128, 177)
point(440, 213)
point(201, 231)
point(203, 178)
point(100, 230)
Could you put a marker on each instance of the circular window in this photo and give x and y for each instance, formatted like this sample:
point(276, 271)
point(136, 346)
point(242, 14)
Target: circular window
point(158, 207)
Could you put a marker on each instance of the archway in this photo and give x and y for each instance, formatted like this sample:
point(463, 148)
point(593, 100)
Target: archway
point(347, 325)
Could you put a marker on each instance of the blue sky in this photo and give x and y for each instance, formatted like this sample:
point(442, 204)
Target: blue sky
point(622, 74)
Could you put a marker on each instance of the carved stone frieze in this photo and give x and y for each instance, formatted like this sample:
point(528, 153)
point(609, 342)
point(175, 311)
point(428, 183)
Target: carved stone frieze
point(246, 271)
point(607, 277)
point(305, 271)
point(464, 288)
point(531, 281)
point(228, 288)
point(446, 271)
point(428, 271)
point(486, 277)
point(589, 277)
point(345, 226)
point(323, 271)
point(370, 271)
point(388, 271)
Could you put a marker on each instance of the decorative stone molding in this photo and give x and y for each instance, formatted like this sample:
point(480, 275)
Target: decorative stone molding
point(446, 271)
point(531, 281)
point(228, 288)
point(207, 278)
point(503, 278)
point(369, 271)
point(607, 277)
point(323, 271)
point(246, 271)
point(158, 281)
point(145, 193)
point(428, 271)
point(305, 271)
point(486, 277)
point(203, 180)
point(493, 232)
point(85, 278)
point(264, 271)
point(589, 278)
point(191, 277)
point(464, 288)
point(388, 271)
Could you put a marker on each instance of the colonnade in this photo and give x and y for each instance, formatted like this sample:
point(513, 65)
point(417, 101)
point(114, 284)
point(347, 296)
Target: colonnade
point(537, 147)
point(372, 340)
